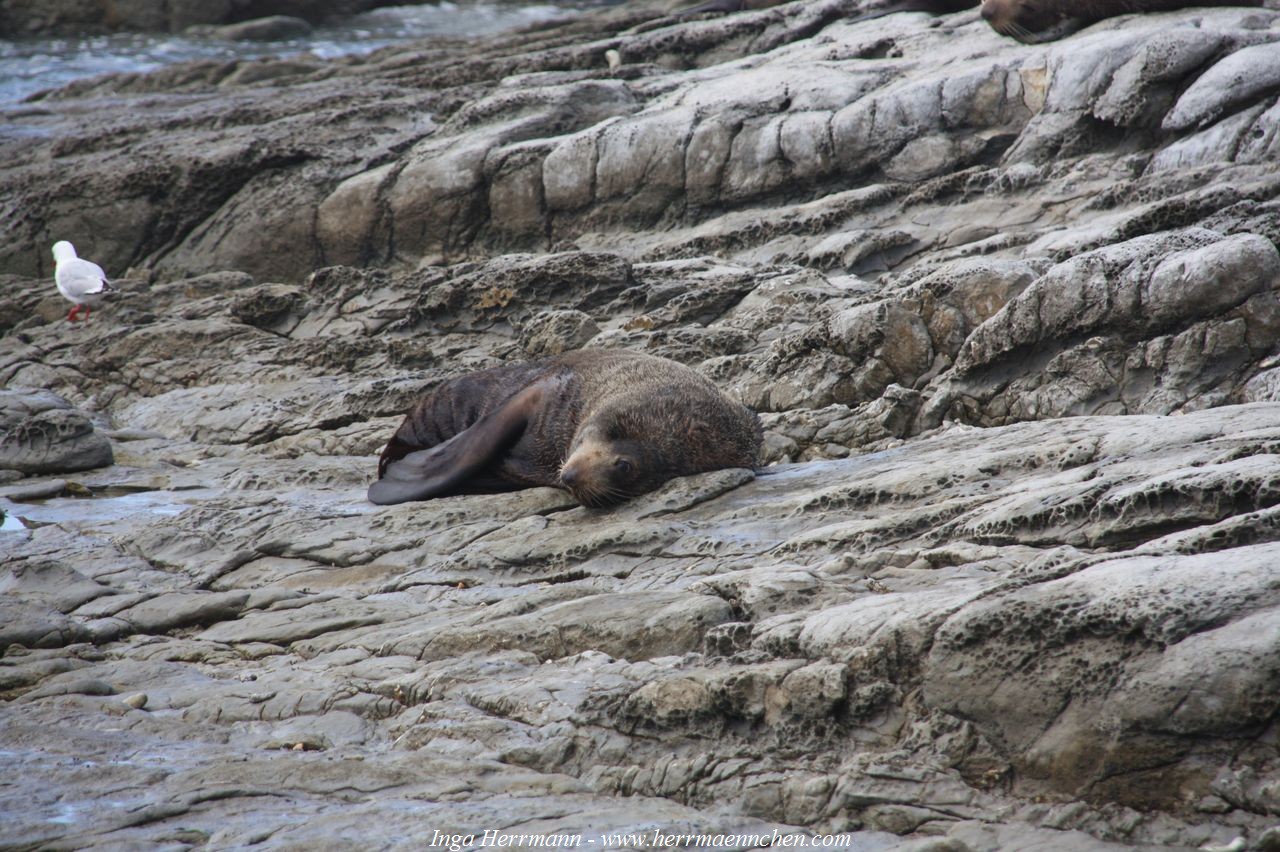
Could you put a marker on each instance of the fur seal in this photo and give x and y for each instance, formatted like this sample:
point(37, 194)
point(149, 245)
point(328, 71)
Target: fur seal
point(605, 425)
point(1036, 21)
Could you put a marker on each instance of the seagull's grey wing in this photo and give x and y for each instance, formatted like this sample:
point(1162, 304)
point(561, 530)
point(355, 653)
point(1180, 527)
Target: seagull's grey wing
point(95, 278)
point(78, 278)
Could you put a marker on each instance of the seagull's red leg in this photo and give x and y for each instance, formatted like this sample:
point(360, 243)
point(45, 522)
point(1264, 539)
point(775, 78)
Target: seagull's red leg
point(71, 317)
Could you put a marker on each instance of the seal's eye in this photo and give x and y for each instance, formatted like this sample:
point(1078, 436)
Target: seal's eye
point(622, 467)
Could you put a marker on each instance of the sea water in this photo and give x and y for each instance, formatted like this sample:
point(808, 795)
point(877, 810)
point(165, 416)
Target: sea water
point(28, 66)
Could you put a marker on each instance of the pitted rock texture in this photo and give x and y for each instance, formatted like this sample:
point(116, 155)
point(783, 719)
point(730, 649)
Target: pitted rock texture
point(40, 432)
point(1009, 314)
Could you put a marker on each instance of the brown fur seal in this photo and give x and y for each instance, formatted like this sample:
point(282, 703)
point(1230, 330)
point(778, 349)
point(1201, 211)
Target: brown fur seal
point(1035, 21)
point(604, 425)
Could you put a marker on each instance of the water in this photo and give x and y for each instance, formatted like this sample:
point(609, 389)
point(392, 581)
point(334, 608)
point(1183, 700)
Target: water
point(94, 513)
point(31, 65)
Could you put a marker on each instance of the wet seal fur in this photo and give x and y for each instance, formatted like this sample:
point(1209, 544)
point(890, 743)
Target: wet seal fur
point(1036, 21)
point(605, 425)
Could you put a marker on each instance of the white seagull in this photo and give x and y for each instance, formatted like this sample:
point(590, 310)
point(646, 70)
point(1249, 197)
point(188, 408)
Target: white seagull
point(79, 281)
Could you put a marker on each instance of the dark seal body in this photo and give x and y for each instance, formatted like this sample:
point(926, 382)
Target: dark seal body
point(1034, 21)
point(603, 424)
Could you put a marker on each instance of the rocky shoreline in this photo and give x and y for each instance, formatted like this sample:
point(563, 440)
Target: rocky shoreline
point(1009, 314)
point(24, 18)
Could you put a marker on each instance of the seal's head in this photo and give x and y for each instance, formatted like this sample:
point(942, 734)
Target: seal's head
point(601, 470)
point(1025, 20)
point(635, 445)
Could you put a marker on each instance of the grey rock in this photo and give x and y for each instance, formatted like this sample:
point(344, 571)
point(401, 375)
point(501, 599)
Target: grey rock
point(182, 609)
point(1236, 79)
point(1141, 89)
point(827, 652)
point(38, 626)
point(39, 491)
point(1054, 744)
point(282, 626)
point(317, 733)
point(70, 686)
point(53, 584)
point(53, 441)
point(270, 28)
point(21, 666)
point(1152, 281)
point(137, 700)
point(40, 432)
point(555, 332)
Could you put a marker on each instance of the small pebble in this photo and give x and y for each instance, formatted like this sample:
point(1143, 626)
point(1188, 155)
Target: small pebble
point(137, 701)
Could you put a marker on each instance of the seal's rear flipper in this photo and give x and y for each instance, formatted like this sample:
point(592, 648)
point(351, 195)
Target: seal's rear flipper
point(447, 467)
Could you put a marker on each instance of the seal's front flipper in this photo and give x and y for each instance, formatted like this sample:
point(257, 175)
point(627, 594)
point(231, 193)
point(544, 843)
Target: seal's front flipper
point(447, 467)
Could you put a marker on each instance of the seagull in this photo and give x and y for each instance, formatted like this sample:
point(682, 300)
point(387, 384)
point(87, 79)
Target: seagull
point(79, 281)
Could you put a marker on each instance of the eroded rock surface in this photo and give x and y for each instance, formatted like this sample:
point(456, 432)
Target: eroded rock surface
point(40, 432)
point(1010, 316)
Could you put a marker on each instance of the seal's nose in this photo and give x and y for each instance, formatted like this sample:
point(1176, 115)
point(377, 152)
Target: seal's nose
point(569, 476)
point(988, 11)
